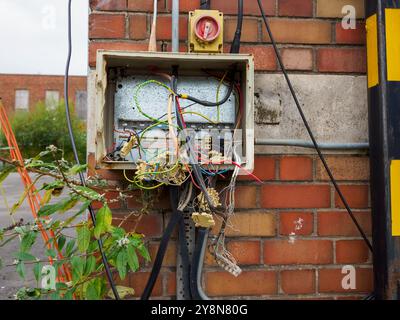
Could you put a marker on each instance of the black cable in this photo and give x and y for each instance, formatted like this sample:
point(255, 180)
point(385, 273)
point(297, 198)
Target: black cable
point(213, 104)
point(310, 133)
point(176, 216)
point(205, 4)
point(71, 135)
point(235, 48)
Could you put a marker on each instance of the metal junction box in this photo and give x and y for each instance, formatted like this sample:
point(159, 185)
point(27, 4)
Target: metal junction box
point(119, 74)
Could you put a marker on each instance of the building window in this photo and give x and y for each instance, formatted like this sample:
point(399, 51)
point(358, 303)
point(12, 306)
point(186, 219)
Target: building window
point(52, 98)
point(81, 104)
point(21, 99)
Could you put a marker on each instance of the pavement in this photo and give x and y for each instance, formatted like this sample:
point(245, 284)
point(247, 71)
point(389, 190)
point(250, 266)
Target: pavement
point(10, 281)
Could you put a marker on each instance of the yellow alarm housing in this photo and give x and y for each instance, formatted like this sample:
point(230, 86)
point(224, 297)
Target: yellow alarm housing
point(206, 31)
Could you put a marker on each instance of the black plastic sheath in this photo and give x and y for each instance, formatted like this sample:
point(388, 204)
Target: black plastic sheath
point(71, 135)
point(176, 216)
point(205, 4)
point(310, 133)
point(183, 247)
point(235, 48)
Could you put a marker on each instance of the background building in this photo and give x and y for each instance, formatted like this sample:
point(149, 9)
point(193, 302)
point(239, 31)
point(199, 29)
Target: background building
point(23, 92)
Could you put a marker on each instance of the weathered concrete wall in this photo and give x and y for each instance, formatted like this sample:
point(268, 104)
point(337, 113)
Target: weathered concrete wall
point(335, 107)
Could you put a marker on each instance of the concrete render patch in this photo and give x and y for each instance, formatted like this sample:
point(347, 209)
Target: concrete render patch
point(335, 106)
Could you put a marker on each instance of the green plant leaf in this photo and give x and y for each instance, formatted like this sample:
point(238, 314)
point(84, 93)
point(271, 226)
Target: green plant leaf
point(122, 260)
point(132, 257)
point(61, 206)
point(23, 256)
point(103, 221)
point(37, 271)
point(49, 209)
point(93, 195)
point(144, 252)
point(61, 242)
point(51, 253)
point(27, 241)
point(90, 265)
point(46, 198)
point(92, 292)
point(70, 247)
point(83, 238)
point(21, 269)
point(78, 265)
point(5, 172)
point(77, 168)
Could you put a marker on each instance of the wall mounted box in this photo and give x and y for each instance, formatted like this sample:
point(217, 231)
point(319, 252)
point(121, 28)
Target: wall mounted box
point(117, 73)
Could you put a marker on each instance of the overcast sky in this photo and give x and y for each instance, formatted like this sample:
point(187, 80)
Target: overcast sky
point(33, 36)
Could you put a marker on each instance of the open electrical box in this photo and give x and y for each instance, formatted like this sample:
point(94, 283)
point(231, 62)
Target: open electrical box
point(122, 100)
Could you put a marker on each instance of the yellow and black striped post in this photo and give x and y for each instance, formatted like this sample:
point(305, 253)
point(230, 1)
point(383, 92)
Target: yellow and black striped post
point(383, 59)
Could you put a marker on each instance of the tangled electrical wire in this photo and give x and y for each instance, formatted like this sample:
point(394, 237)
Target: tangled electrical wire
point(174, 166)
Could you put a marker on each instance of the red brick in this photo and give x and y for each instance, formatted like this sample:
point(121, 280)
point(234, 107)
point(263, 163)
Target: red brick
point(264, 57)
point(228, 7)
point(295, 8)
point(138, 27)
point(106, 26)
point(246, 197)
point(138, 281)
point(295, 196)
point(245, 252)
point(248, 283)
point(350, 36)
point(297, 58)
point(296, 168)
point(134, 200)
point(164, 29)
point(249, 30)
point(151, 225)
point(144, 5)
point(341, 60)
point(299, 31)
point(298, 223)
point(330, 280)
point(118, 45)
point(298, 252)
point(351, 251)
point(298, 281)
point(111, 5)
point(344, 168)
point(171, 283)
point(340, 224)
point(185, 5)
point(170, 254)
point(356, 196)
point(264, 169)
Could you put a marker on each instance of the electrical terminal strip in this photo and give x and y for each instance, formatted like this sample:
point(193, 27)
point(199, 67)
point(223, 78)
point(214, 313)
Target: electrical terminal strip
point(203, 219)
point(228, 266)
point(128, 146)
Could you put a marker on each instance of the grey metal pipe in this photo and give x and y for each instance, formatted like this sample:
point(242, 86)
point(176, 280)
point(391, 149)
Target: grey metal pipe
point(175, 25)
point(201, 292)
point(309, 144)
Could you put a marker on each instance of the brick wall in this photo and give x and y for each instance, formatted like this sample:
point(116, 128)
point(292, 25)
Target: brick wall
point(37, 86)
point(291, 235)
